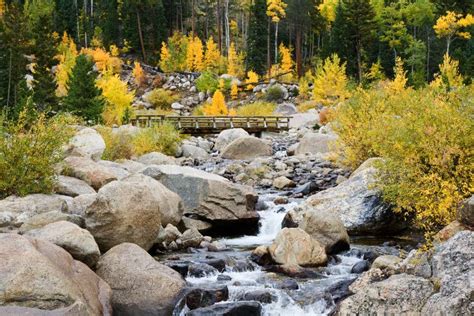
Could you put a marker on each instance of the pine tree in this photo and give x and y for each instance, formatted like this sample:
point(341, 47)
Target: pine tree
point(257, 52)
point(84, 98)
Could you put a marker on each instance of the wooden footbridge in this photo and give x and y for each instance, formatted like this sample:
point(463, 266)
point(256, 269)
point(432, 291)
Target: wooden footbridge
point(202, 125)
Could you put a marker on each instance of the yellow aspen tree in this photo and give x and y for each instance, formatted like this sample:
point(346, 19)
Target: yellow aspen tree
point(165, 58)
point(190, 54)
point(138, 74)
point(2, 7)
point(448, 76)
point(234, 91)
point(198, 61)
point(276, 11)
point(212, 55)
point(330, 82)
point(451, 25)
point(252, 78)
point(327, 9)
point(286, 64)
point(67, 53)
point(114, 50)
point(217, 105)
point(232, 61)
point(118, 98)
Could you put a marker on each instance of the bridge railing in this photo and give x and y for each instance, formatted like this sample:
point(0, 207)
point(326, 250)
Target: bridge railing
point(215, 124)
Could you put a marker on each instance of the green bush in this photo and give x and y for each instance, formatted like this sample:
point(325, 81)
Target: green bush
point(274, 93)
point(257, 109)
point(207, 81)
point(125, 145)
point(29, 151)
point(161, 99)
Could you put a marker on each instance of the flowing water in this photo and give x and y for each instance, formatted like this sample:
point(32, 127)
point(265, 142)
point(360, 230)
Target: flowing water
point(317, 295)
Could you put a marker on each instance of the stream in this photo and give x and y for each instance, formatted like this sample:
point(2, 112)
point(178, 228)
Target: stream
point(279, 294)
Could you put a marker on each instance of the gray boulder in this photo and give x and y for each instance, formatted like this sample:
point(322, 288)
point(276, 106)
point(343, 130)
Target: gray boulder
point(228, 136)
point(140, 284)
point(358, 204)
point(286, 108)
point(314, 143)
point(43, 219)
point(87, 143)
point(89, 171)
point(72, 187)
point(194, 152)
point(246, 148)
point(207, 195)
point(126, 211)
point(75, 240)
point(36, 274)
point(466, 212)
point(155, 158)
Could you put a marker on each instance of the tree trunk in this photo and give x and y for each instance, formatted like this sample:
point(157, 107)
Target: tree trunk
point(140, 35)
point(276, 42)
point(219, 26)
point(227, 27)
point(269, 59)
point(299, 61)
point(359, 62)
point(193, 21)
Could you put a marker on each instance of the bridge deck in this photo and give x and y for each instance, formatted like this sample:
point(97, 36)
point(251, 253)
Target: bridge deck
point(202, 125)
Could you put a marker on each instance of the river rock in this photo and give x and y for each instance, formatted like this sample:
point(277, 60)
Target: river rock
point(115, 168)
point(88, 170)
point(204, 296)
point(400, 294)
point(194, 152)
point(155, 158)
point(286, 108)
point(131, 166)
point(243, 308)
point(466, 212)
point(360, 267)
point(36, 274)
point(75, 240)
point(126, 211)
point(246, 148)
point(43, 219)
point(200, 225)
point(295, 247)
point(168, 234)
point(72, 187)
point(327, 228)
point(315, 143)
point(200, 270)
point(228, 136)
point(416, 263)
point(389, 262)
point(140, 284)
point(208, 196)
point(453, 264)
point(14, 211)
point(358, 204)
point(87, 143)
point(191, 238)
point(283, 182)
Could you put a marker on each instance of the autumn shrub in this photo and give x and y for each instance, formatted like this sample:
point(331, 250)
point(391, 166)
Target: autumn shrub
point(330, 82)
point(307, 105)
point(29, 151)
point(118, 145)
point(161, 98)
point(161, 138)
point(117, 97)
point(425, 138)
point(257, 109)
point(274, 93)
point(217, 106)
point(207, 81)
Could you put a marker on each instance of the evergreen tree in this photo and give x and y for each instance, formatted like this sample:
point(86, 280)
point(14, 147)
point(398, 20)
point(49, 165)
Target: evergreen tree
point(84, 98)
point(65, 18)
point(107, 17)
point(14, 45)
point(44, 51)
point(257, 50)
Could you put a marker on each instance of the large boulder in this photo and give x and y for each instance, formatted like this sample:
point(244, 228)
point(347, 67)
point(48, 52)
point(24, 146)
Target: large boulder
point(128, 210)
point(326, 228)
point(207, 195)
point(43, 219)
point(452, 268)
point(140, 284)
point(86, 169)
point(466, 212)
point(75, 240)
point(358, 204)
point(72, 187)
point(14, 211)
point(228, 136)
point(155, 158)
point(294, 247)
point(314, 143)
point(247, 148)
point(87, 143)
point(400, 294)
point(191, 151)
point(36, 274)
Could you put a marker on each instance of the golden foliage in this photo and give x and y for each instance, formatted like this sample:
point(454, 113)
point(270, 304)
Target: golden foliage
point(118, 99)
point(234, 62)
point(67, 53)
point(327, 9)
point(212, 56)
point(161, 99)
point(217, 106)
point(451, 24)
point(104, 61)
point(174, 53)
point(139, 75)
point(398, 84)
point(449, 77)
point(286, 65)
point(330, 82)
point(276, 10)
point(258, 108)
point(234, 91)
point(165, 58)
point(303, 84)
point(194, 54)
point(252, 78)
